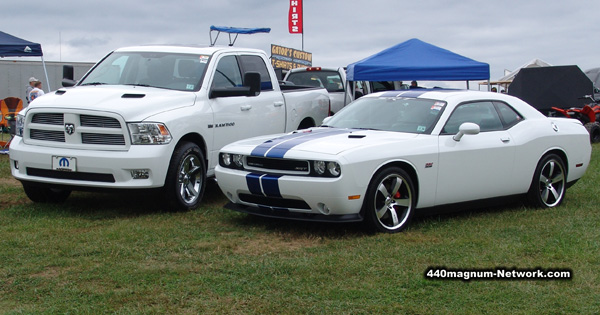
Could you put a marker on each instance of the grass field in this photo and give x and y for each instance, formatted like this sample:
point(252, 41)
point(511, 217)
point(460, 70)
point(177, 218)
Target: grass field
point(115, 253)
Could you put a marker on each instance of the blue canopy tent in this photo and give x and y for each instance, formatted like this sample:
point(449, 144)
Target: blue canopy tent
point(11, 46)
point(417, 60)
point(234, 30)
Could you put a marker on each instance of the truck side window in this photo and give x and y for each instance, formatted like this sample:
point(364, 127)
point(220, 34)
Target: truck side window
point(227, 73)
point(252, 63)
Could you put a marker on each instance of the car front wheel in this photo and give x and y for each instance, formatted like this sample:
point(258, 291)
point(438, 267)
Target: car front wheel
point(186, 178)
point(548, 187)
point(390, 200)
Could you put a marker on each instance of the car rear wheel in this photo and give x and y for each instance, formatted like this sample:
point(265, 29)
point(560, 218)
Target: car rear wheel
point(390, 200)
point(548, 187)
point(186, 177)
point(43, 194)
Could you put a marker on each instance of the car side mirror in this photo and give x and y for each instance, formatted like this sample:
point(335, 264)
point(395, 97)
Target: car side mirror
point(328, 118)
point(466, 129)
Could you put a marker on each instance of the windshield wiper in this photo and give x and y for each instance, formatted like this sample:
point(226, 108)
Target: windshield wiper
point(93, 83)
point(139, 84)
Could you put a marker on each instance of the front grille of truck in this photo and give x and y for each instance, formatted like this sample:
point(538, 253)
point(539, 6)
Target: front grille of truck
point(89, 130)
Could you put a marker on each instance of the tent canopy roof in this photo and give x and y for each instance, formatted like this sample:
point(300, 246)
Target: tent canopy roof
point(417, 60)
point(11, 46)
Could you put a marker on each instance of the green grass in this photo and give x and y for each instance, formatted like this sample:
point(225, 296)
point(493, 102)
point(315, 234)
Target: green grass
point(113, 253)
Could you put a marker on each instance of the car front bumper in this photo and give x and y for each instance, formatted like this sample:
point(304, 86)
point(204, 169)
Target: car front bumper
point(294, 197)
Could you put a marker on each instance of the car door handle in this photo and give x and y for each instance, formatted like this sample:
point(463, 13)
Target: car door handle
point(278, 104)
point(246, 107)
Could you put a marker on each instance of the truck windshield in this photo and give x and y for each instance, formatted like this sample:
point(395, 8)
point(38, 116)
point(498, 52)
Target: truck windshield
point(172, 71)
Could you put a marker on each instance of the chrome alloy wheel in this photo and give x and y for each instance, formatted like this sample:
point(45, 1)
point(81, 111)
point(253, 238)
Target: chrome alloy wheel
point(190, 179)
point(393, 202)
point(552, 183)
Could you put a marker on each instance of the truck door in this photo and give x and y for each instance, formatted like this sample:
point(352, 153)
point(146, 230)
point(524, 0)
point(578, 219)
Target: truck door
point(240, 117)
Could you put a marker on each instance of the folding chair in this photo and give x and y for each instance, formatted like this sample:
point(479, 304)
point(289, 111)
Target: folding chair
point(9, 108)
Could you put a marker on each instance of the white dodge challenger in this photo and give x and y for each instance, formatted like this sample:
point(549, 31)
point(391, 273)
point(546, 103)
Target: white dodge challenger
point(388, 154)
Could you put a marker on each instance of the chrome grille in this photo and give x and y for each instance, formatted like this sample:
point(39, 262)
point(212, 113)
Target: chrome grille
point(99, 121)
point(47, 135)
point(102, 139)
point(48, 119)
point(79, 128)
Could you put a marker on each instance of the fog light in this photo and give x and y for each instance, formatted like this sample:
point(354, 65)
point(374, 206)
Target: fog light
point(140, 174)
point(323, 208)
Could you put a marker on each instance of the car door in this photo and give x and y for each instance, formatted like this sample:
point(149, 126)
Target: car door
point(239, 117)
point(477, 166)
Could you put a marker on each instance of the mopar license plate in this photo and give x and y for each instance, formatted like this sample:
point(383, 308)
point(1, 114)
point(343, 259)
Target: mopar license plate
point(63, 163)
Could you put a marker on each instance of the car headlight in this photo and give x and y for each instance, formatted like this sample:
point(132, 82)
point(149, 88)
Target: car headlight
point(323, 168)
point(149, 133)
point(20, 125)
point(229, 160)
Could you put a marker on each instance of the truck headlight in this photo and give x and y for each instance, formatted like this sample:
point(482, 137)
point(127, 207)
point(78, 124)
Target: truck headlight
point(149, 133)
point(20, 125)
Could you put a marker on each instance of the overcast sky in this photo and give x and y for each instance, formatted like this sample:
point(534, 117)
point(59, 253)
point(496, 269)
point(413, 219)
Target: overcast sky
point(504, 34)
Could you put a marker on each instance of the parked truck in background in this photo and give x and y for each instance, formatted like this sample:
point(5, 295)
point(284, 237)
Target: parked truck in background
point(334, 80)
point(154, 117)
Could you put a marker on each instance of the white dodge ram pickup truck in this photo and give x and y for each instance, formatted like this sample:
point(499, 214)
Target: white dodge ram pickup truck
point(154, 117)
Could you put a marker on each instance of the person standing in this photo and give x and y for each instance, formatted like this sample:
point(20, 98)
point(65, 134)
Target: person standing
point(36, 92)
point(30, 87)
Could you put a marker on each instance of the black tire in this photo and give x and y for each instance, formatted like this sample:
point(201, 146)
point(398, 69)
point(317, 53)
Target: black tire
point(43, 194)
point(186, 178)
point(549, 183)
point(390, 201)
point(594, 130)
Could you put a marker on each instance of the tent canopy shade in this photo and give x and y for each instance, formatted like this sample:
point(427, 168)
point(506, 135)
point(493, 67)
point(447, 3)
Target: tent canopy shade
point(417, 60)
point(11, 46)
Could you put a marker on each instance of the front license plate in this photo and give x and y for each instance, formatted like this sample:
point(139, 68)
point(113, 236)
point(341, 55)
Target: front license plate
point(63, 163)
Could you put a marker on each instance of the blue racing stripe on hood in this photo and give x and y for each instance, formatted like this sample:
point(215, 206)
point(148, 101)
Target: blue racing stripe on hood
point(276, 148)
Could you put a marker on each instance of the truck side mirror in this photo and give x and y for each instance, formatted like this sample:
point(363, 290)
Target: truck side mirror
point(252, 80)
point(68, 76)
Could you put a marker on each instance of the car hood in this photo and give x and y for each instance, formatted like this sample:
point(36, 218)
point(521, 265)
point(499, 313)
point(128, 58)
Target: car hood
point(332, 141)
point(131, 102)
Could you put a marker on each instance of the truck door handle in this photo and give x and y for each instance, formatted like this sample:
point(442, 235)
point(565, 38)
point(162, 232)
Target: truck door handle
point(505, 140)
point(246, 107)
point(278, 104)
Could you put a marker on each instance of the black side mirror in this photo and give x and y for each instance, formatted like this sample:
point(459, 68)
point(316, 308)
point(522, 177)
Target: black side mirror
point(252, 80)
point(68, 76)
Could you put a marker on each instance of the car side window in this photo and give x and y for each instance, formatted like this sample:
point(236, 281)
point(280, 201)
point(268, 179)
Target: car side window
point(227, 73)
point(481, 113)
point(509, 116)
point(252, 63)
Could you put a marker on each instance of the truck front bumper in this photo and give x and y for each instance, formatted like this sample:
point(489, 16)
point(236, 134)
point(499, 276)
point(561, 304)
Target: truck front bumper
point(92, 168)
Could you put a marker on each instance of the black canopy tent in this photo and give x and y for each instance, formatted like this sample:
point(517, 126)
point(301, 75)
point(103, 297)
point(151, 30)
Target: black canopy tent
point(11, 46)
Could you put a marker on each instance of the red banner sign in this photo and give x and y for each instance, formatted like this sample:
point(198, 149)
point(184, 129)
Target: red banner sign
point(295, 17)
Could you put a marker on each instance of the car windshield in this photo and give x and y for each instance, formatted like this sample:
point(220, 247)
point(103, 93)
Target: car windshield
point(410, 115)
point(181, 72)
point(330, 80)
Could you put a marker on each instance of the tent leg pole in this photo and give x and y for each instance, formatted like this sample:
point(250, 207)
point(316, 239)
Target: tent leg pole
point(46, 73)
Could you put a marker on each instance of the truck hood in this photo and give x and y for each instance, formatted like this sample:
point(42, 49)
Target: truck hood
point(331, 141)
point(133, 103)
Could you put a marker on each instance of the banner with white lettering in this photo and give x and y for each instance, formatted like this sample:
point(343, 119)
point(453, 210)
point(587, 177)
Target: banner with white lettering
point(295, 17)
